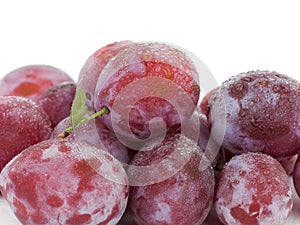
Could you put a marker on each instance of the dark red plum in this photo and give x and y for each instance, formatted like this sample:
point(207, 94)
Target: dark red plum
point(171, 184)
point(93, 67)
point(145, 84)
point(22, 124)
point(57, 101)
point(259, 111)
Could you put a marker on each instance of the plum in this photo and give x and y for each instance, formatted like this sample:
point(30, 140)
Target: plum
point(63, 182)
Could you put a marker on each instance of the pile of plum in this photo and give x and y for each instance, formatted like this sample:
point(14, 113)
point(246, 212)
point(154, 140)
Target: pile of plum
point(133, 142)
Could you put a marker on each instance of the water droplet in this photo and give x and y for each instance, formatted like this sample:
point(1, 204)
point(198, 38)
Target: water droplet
point(236, 182)
point(247, 79)
point(243, 113)
point(238, 89)
point(242, 173)
point(255, 121)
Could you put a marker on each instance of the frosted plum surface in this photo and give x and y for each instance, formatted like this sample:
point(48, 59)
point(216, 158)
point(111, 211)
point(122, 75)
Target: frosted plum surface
point(22, 124)
point(260, 111)
point(147, 81)
point(62, 182)
point(253, 189)
point(31, 81)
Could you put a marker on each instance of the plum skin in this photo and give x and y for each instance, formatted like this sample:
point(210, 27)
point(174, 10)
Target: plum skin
point(182, 198)
point(259, 111)
point(253, 189)
point(31, 81)
point(23, 123)
point(156, 65)
point(63, 182)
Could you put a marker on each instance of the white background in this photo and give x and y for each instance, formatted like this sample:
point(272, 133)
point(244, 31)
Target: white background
point(228, 36)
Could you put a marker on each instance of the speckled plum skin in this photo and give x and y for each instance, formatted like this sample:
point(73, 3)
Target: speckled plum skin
point(253, 189)
point(22, 124)
point(141, 63)
point(61, 182)
point(260, 111)
point(95, 133)
point(184, 197)
point(31, 81)
point(93, 67)
point(57, 101)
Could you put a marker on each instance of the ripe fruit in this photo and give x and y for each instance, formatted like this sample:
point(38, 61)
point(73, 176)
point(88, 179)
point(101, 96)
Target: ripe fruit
point(148, 94)
point(170, 184)
point(22, 123)
point(93, 67)
point(57, 101)
point(259, 112)
point(253, 189)
point(144, 82)
point(62, 182)
point(31, 81)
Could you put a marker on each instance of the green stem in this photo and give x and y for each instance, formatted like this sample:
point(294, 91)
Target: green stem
point(69, 130)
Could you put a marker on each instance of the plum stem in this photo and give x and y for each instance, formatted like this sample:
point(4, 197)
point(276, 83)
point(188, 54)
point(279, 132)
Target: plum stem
point(69, 130)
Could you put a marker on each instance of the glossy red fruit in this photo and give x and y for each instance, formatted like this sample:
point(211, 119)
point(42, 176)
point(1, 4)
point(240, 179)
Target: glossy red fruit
point(22, 123)
point(144, 82)
point(171, 184)
point(57, 101)
point(259, 111)
point(93, 67)
point(253, 189)
point(61, 182)
point(31, 81)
